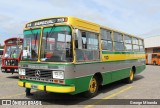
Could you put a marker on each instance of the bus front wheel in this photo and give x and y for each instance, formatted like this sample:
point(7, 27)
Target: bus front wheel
point(93, 88)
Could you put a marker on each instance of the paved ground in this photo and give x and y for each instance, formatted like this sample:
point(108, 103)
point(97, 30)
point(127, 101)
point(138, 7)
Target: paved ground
point(145, 86)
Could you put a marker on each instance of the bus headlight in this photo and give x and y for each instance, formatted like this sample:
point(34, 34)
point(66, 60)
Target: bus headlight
point(22, 72)
point(58, 74)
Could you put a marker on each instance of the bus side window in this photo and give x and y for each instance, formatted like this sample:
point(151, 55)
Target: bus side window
point(118, 42)
point(106, 39)
point(84, 39)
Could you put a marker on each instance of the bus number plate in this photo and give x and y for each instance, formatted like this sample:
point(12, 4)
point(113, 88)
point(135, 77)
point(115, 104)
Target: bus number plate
point(33, 86)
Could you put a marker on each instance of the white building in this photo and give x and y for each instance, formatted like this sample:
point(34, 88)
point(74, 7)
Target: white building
point(152, 44)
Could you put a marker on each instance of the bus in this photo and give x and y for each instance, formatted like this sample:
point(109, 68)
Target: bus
point(153, 58)
point(12, 55)
point(72, 55)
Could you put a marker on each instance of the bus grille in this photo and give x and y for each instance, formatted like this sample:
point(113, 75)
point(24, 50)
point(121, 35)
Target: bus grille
point(39, 73)
point(11, 62)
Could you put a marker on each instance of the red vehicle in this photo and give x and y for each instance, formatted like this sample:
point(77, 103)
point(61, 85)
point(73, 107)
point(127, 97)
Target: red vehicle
point(12, 55)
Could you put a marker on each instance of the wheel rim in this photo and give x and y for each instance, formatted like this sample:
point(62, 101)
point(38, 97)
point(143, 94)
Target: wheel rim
point(131, 75)
point(93, 85)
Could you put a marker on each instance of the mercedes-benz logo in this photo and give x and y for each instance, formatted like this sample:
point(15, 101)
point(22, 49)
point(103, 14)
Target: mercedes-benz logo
point(37, 73)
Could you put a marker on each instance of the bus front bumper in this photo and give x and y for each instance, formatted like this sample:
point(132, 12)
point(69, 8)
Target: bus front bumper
point(9, 69)
point(47, 87)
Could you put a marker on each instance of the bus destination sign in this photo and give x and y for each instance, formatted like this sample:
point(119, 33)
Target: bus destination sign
point(14, 41)
point(45, 22)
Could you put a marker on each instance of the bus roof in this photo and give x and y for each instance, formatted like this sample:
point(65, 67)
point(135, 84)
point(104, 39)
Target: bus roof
point(80, 23)
point(14, 38)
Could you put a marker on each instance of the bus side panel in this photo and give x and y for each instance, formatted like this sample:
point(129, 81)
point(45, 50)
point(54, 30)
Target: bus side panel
point(107, 78)
point(80, 75)
point(120, 74)
point(81, 84)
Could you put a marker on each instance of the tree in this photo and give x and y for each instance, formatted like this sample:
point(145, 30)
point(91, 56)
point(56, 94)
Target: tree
point(1, 47)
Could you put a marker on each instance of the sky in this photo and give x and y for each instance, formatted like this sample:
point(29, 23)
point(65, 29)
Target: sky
point(137, 17)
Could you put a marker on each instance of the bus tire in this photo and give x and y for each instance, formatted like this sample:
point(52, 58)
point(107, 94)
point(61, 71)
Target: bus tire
point(93, 88)
point(130, 79)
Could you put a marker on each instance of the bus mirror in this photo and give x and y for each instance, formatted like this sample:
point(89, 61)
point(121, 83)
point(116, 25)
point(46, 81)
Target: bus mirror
point(79, 38)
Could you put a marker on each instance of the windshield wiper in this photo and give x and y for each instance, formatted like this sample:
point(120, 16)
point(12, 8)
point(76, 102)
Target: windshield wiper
point(35, 37)
point(35, 40)
point(46, 40)
point(48, 34)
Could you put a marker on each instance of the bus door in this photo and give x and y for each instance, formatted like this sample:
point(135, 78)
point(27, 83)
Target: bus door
point(149, 58)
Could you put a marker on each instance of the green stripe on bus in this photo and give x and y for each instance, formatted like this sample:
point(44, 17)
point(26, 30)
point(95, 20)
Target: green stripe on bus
point(34, 31)
point(57, 29)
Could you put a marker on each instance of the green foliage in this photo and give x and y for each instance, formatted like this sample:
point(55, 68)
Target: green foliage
point(1, 47)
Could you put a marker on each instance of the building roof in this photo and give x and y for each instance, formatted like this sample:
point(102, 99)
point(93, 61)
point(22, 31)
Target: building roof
point(151, 42)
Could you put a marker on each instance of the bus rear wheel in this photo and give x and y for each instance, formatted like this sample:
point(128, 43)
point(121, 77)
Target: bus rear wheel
point(93, 88)
point(130, 78)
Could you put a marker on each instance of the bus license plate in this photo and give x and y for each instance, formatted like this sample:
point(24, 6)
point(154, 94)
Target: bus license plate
point(33, 86)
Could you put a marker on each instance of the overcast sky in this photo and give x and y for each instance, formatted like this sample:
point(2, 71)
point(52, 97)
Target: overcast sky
point(137, 17)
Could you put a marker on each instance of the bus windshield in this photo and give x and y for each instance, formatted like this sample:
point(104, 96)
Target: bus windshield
point(56, 44)
point(30, 45)
point(12, 51)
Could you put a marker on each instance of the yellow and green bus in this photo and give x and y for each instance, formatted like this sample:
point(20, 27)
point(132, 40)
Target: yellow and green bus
point(71, 55)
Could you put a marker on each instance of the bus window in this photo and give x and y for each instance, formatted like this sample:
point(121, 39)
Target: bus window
point(84, 43)
point(141, 47)
point(118, 42)
point(128, 43)
point(106, 39)
point(90, 48)
point(135, 45)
